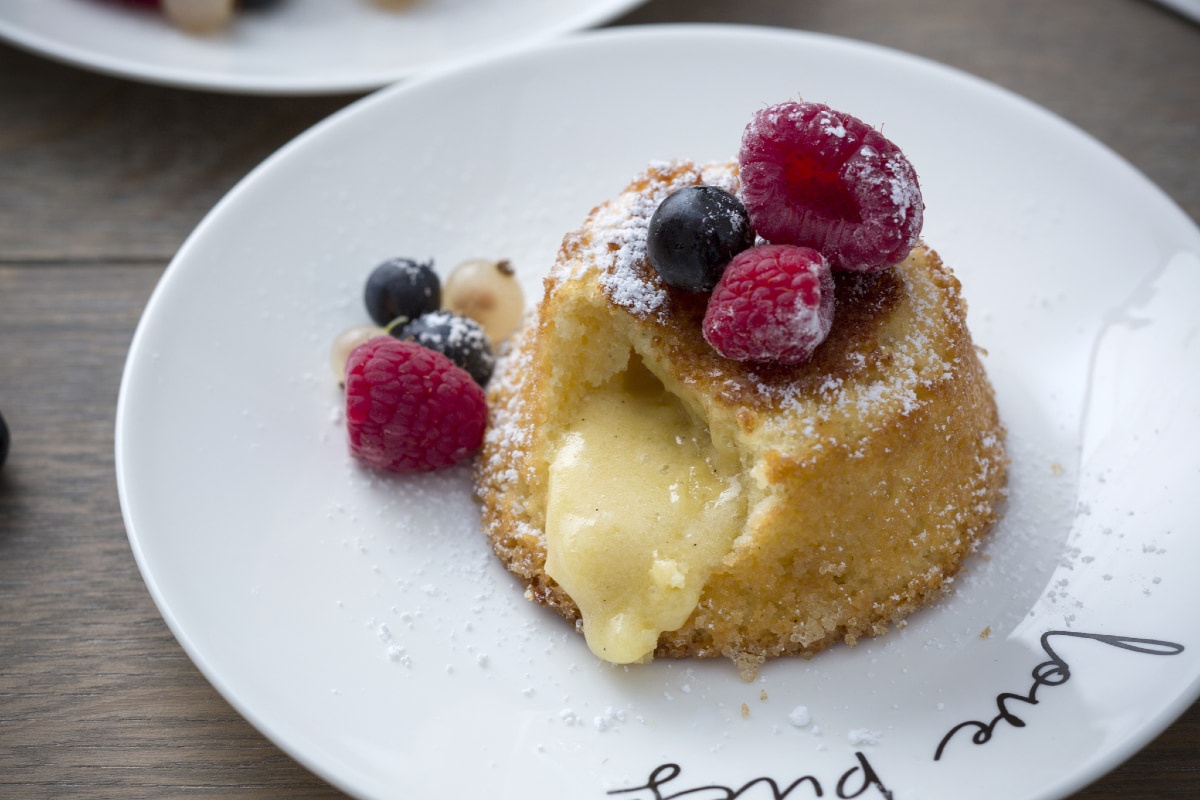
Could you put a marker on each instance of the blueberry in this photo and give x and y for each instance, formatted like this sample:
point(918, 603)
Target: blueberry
point(694, 233)
point(402, 287)
point(3, 441)
point(461, 339)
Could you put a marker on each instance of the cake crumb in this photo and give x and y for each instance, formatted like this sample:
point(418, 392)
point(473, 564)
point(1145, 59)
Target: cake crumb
point(747, 666)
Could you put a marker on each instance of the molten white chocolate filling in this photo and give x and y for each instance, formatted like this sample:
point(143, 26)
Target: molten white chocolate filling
point(639, 514)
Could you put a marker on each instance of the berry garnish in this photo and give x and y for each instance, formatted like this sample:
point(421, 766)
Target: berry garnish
point(409, 409)
point(345, 342)
point(488, 292)
point(459, 338)
point(694, 233)
point(402, 287)
point(774, 303)
point(823, 179)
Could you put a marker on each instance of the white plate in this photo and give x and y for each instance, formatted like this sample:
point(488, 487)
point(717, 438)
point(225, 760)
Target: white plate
point(296, 46)
point(360, 621)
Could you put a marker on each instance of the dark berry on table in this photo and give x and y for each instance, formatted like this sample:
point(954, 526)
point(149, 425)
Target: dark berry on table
point(820, 178)
point(774, 303)
point(402, 287)
point(459, 338)
point(694, 233)
point(409, 409)
point(4, 439)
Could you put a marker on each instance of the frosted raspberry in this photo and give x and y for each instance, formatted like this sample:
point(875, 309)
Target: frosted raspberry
point(820, 178)
point(774, 303)
point(409, 409)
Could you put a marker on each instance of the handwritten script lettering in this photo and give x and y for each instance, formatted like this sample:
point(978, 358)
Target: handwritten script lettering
point(1054, 672)
point(854, 782)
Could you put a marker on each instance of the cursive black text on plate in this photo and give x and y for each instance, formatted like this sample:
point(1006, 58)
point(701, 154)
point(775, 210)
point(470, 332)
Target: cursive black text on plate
point(854, 782)
point(1054, 672)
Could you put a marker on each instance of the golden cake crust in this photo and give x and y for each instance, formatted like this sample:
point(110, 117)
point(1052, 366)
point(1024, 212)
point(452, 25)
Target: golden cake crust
point(871, 471)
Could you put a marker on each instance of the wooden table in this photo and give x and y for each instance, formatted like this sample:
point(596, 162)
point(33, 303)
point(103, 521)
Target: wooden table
point(101, 180)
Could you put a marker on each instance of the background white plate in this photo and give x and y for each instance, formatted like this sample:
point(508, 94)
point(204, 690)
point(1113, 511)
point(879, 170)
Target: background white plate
point(296, 46)
point(360, 621)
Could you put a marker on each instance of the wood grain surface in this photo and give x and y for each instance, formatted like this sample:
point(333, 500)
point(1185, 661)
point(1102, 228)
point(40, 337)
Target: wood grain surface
point(101, 180)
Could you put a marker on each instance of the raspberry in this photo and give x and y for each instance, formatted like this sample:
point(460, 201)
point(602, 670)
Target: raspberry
point(409, 409)
point(774, 303)
point(819, 178)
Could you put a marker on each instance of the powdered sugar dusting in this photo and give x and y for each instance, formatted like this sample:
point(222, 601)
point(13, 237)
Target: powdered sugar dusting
point(617, 243)
point(508, 434)
point(915, 368)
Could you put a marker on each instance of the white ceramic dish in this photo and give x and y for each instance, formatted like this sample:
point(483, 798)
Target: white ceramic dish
point(296, 46)
point(360, 621)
